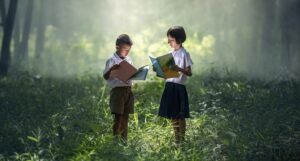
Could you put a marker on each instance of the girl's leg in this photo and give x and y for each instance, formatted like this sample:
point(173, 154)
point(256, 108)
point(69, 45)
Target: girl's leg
point(117, 124)
point(182, 129)
point(124, 126)
point(176, 127)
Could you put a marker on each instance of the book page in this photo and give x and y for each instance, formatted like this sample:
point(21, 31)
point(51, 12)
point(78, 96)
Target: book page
point(157, 68)
point(141, 73)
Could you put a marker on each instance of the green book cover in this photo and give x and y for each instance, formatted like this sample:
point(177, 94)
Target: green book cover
point(163, 66)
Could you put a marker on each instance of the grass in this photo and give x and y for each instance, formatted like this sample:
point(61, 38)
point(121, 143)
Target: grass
point(233, 119)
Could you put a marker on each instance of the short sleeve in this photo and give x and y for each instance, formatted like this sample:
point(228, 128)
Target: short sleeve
point(108, 65)
point(187, 60)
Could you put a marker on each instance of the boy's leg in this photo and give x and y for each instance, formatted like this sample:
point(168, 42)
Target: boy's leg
point(117, 124)
point(124, 126)
point(128, 108)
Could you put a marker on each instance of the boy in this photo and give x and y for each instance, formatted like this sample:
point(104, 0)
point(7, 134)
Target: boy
point(121, 98)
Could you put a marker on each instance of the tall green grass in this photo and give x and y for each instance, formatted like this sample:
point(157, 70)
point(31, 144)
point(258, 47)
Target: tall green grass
point(232, 119)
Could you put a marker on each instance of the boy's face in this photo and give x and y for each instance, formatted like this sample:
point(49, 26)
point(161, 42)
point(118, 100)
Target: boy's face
point(172, 42)
point(123, 50)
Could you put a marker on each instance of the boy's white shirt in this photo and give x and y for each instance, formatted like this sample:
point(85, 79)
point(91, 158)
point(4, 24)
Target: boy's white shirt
point(182, 59)
point(115, 82)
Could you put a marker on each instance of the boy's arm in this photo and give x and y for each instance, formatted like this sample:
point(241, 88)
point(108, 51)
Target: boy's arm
point(187, 71)
point(107, 74)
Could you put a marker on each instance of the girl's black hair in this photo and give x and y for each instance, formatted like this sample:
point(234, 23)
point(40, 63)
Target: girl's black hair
point(178, 33)
point(123, 39)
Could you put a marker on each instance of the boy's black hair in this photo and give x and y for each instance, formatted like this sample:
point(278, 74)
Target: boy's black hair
point(123, 39)
point(178, 33)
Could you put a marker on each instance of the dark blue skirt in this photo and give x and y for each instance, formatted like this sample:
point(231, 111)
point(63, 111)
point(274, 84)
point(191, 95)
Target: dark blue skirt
point(174, 102)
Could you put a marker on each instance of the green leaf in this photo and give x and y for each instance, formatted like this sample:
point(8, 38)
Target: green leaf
point(32, 139)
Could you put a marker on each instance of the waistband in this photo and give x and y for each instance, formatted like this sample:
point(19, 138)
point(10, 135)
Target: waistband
point(123, 87)
point(176, 84)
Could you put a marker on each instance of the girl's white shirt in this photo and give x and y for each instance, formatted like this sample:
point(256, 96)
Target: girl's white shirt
point(183, 60)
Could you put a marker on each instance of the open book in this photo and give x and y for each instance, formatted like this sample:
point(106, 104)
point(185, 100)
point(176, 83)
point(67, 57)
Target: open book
point(163, 66)
point(126, 72)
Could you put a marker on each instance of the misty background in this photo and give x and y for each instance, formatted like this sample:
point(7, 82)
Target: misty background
point(65, 38)
point(243, 96)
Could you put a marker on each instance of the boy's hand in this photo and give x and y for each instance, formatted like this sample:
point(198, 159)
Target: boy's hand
point(107, 74)
point(127, 82)
point(114, 67)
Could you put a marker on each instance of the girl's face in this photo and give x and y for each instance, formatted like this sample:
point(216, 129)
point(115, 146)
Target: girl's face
point(123, 50)
point(172, 42)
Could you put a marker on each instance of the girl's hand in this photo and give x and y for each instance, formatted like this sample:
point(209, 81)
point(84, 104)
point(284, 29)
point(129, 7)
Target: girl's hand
point(176, 68)
point(187, 71)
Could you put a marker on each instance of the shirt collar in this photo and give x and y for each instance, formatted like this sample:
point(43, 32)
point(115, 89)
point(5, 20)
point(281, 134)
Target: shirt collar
point(118, 57)
point(178, 51)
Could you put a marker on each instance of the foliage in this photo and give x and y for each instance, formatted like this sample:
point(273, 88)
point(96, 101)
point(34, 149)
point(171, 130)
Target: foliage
point(68, 119)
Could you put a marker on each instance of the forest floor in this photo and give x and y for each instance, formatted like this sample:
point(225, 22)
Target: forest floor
point(232, 119)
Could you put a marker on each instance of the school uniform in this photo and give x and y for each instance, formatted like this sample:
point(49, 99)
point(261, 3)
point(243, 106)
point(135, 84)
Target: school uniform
point(174, 102)
point(121, 99)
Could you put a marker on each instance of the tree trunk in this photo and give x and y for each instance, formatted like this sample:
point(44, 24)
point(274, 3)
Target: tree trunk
point(8, 28)
point(17, 36)
point(285, 34)
point(26, 31)
point(39, 48)
point(297, 32)
point(267, 44)
point(2, 12)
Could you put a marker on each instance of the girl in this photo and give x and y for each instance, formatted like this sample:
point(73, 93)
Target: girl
point(174, 103)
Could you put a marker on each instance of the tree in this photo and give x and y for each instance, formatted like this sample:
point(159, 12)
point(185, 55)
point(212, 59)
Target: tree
point(267, 43)
point(17, 34)
point(40, 30)
point(8, 29)
point(23, 49)
point(289, 28)
point(2, 12)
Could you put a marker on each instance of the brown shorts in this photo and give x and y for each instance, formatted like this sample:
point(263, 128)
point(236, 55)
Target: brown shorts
point(121, 100)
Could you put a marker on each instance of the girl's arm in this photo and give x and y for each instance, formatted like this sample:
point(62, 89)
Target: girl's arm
point(187, 71)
